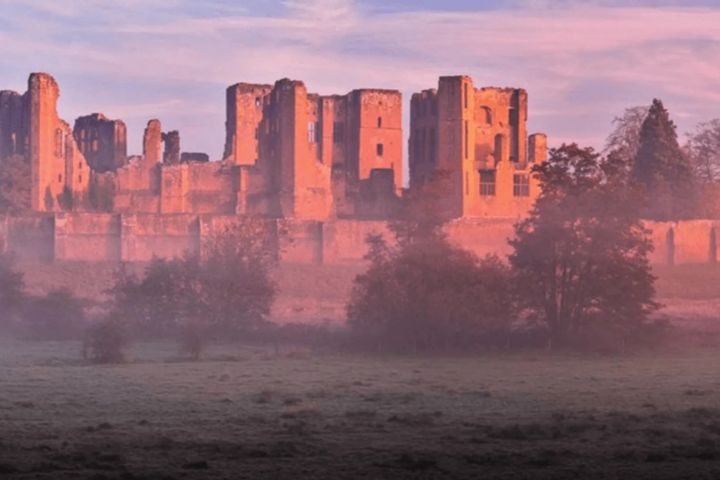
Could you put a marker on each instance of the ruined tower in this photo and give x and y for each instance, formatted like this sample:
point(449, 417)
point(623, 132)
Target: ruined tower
point(13, 124)
point(244, 109)
point(314, 156)
point(102, 141)
point(473, 143)
point(152, 143)
point(171, 153)
point(289, 153)
point(60, 174)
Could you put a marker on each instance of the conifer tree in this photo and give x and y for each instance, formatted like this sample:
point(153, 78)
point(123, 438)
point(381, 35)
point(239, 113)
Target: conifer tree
point(662, 168)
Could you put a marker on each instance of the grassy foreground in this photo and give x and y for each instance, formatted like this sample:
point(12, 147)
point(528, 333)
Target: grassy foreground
point(249, 413)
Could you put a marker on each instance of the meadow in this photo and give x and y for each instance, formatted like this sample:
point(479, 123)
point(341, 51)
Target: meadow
point(253, 412)
point(245, 412)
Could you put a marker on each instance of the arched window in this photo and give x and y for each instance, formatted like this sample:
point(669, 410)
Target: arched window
point(379, 122)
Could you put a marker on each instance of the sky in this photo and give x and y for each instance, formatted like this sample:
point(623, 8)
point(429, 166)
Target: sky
point(582, 62)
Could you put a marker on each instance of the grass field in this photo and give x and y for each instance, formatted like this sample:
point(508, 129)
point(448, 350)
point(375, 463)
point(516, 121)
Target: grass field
point(251, 413)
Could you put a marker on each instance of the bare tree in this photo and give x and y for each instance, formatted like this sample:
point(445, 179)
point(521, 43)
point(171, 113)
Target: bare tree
point(703, 148)
point(624, 141)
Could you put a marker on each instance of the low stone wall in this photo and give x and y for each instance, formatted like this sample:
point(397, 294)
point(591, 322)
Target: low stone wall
point(97, 237)
point(30, 237)
point(689, 241)
point(88, 237)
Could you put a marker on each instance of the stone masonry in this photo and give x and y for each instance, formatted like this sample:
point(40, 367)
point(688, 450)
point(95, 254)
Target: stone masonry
point(290, 153)
point(102, 141)
point(474, 142)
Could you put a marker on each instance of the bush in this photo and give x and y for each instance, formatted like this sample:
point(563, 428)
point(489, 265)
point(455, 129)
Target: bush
point(226, 291)
point(429, 295)
point(192, 340)
point(157, 304)
point(105, 342)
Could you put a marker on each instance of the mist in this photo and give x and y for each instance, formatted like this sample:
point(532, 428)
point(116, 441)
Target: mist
point(411, 274)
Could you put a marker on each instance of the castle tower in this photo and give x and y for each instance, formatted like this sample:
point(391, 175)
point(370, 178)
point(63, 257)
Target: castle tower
point(103, 142)
point(376, 119)
point(60, 175)
point(152, 143)
point(472, 145)
point(244, 106)
point(290, 153)
point(13, 124)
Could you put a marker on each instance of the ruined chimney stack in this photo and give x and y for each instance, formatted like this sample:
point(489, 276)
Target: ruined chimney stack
point(152, 143)
point(171, 154)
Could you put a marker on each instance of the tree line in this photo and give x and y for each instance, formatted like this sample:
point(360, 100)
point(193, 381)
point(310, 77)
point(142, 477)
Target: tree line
point(578, 275)
point(679, 181)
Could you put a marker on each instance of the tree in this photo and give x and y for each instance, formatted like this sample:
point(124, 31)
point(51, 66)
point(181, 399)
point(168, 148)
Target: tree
point(105, 341)
point(580, 258)
point(423, 210)
point(703, 148)
point(12, 286)
point(427, 294)
point(662, 168)
point(162, 300)
point(624, 140)
point(227, 290)
point(14, 184)
point(237, 290)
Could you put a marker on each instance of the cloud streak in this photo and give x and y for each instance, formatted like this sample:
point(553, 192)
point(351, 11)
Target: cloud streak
point(581, 64)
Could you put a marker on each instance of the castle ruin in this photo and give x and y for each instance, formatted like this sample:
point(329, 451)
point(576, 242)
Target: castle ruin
point(288, 153)
point(329, 167)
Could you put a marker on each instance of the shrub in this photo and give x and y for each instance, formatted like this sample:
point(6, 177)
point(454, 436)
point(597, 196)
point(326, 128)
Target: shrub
point(192, 340)
point(105, 342)
point(225, 291)
point(428, 294)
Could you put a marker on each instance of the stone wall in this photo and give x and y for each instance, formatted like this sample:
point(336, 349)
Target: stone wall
point(29, 237)
point(95, 237)
point(87, 237)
